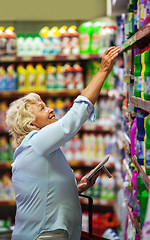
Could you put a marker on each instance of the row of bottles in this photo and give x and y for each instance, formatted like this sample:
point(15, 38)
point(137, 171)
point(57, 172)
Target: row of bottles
point(140, 139)
point(142, 73)
point(136, 196)
point(107, 112)
point(102, 224)
point(38, 78)
point(93, 67)
point(104, 189)
point(138, 15)
point(90, 148)
point(88, 38)
point(96, 37)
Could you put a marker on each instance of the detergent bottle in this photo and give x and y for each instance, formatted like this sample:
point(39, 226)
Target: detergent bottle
point(60, 78)
point(11, 78)
point(147, 20)
point(21, 44)
point(31, 78)
point(135, 15)
point(55, 40)
point(141, 13)
point(50, 76)
point(95, 43)
point(2, 41)
point(29, 45)
point(37, 45)
point(133, 137)
point(65, 40)
point(85, 33)
point(40, 77)
point(140, 147)
point(147, 75)
point(2, 78)
point(11, 41)
point(131, 18)
point(69, 76)
point(44, 34)
point(22, 77)
point(78, 76)
point(138, 14)
point(143, 72)
point(4, 157)
point(74, 40)
point(143, 203)
point(137, 75)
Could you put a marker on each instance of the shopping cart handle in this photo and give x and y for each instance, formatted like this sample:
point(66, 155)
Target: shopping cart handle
point(90, 201)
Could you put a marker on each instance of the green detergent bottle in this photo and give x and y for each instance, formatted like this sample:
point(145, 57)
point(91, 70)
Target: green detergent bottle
point(147, 75)
point(143, 203)
point(141, 187)
point(85, 34)
point(95, 43)
point(137, 75)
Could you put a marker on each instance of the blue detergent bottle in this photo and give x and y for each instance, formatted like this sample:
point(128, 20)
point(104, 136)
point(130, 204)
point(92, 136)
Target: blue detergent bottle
point(140, 147)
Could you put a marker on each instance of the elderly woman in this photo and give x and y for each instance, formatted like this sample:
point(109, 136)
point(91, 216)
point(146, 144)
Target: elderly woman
point(46, 192)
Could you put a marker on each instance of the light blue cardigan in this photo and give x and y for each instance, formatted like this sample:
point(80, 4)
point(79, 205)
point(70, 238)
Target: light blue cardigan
point(44, 184)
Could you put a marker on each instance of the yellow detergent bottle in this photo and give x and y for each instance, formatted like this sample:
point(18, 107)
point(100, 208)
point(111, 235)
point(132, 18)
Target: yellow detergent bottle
point(60, 76)
point(22, 77)
point(40, 77)
point(31, 78)
point(50, 103)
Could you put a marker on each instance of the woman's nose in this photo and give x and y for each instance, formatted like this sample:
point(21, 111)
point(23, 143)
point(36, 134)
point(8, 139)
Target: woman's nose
point(50, 110)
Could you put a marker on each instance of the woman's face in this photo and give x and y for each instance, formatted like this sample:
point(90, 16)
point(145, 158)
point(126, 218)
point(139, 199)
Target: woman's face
point(43, 114)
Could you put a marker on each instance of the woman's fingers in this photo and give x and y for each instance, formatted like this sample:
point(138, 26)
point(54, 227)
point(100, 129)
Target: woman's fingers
point(113, 54)
point(109, 49)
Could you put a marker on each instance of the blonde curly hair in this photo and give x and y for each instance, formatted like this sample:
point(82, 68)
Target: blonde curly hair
point(19, 118)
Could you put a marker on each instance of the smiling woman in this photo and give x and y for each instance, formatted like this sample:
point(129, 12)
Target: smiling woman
point(46, 191)
point(43, 114)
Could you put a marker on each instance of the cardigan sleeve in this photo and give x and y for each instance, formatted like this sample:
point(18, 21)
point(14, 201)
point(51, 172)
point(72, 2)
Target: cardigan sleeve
point(54, 135)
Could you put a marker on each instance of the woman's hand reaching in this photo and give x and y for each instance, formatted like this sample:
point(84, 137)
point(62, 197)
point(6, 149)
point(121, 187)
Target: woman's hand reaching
point(93, 89)
point(108, 59)
point(85, 184)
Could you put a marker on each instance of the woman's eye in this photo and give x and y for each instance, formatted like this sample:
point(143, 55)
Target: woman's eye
point(42, 108)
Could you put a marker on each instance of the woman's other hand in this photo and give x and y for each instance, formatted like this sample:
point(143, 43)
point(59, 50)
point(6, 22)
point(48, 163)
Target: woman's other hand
point(85, 184)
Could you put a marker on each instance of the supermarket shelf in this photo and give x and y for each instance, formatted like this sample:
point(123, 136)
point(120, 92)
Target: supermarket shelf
point(50, 57)
point(140, 103)
point(134, 221)
point(7, 203)
point(5, 164)
point(46, 93)
point(97, 127)
point(142, 173)
point(133, 41)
